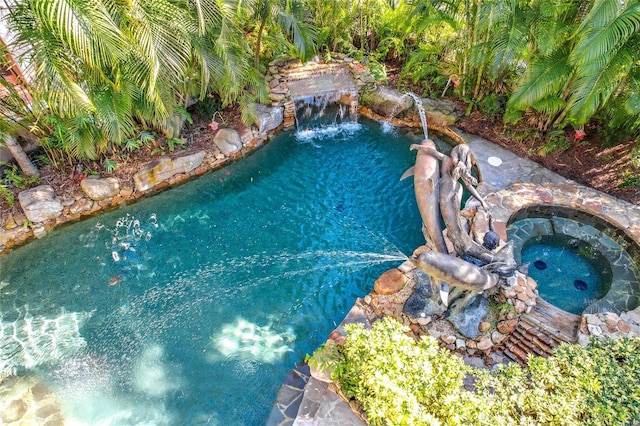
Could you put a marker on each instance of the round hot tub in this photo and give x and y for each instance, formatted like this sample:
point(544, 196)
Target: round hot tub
point(581, 263)
point(570, 272)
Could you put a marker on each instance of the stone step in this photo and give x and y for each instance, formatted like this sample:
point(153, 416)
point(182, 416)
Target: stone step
point(541, 340)
point(516, 353)
point(521, 343)
point(513, 357)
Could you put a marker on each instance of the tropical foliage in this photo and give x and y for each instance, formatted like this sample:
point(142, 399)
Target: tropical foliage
point(400, 381)
point(105, 70)
point(108, 70)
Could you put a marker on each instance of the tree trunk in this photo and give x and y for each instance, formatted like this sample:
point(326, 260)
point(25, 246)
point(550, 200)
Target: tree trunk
point(256, 58)
point(18, 153)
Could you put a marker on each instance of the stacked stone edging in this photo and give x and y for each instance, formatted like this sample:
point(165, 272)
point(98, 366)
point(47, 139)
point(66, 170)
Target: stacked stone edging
point(81, 204)
point(507, 202)
point(609, 324)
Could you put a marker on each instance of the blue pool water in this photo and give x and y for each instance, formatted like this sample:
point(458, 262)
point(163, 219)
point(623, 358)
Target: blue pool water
point(190, 307)
point(570, 273)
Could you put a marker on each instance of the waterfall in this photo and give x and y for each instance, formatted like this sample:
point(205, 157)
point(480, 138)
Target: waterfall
point(318, 109)
point(417, 101)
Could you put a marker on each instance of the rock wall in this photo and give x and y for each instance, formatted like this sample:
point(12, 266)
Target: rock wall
point(289, 79)
point(373, 101)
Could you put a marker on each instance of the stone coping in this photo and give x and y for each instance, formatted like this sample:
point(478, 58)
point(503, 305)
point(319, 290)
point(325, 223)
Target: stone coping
point(505, 205)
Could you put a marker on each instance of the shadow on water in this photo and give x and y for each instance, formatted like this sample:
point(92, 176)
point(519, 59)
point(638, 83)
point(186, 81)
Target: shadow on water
point(191, 306)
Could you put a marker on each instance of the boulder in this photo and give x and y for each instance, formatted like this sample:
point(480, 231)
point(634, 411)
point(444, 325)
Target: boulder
point(8, 236)
point(425, 300)
point(269, 118)
point(385, 101)
point(98, 189)
point(389, 103)
point(40, 203)
point(165, 168)
point(228, 141)
point(390, 282)
point(466, 314)
point(484, 343)
point(438, 105)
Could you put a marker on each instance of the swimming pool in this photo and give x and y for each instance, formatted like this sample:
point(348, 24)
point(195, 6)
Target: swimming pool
point(191, 306)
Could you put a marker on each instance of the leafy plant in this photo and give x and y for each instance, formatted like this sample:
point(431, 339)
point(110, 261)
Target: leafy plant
point(401, 381)
point(206, 107)
point(5, 192)
point(324, 357)
point(377, 69)
point(492, 106)
point(173, 142)
point(630, 179)
point(142, 139)
point(635, 155)
point(556, 141)
point(12, 177)
point(110, 165)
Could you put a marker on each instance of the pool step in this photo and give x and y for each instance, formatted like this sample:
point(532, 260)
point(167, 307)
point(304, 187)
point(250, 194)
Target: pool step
point(539, 332)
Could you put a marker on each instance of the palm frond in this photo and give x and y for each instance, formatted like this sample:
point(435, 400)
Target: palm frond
point(509, 34)
point(83, 26)
point(546, 77)
point(296, 23)
point(595, 83)
point(606, 28)
point(113, 114)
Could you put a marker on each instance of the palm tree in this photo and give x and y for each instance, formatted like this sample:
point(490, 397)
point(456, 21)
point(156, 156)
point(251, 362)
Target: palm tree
point(581, 60)
point(605, 53)
point(291, 18)
point(105, 68)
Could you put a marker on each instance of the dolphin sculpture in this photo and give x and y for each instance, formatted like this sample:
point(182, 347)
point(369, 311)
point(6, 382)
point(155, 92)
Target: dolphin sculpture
point(457, 166)
point(455, 271)
point(426, 176)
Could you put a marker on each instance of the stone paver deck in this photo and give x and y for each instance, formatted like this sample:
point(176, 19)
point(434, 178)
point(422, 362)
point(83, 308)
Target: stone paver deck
point(512, 169)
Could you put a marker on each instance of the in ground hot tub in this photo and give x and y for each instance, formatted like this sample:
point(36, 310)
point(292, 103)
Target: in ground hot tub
point(582, 263)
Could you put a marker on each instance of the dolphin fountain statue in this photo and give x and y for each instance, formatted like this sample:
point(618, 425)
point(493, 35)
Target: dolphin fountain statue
point(477, 267)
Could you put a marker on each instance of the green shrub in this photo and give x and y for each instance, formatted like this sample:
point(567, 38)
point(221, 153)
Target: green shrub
point(400, 381)
point(10, 177)
point(556, 141)
point(630, 179)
